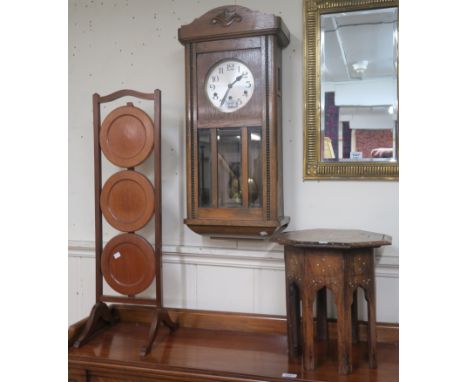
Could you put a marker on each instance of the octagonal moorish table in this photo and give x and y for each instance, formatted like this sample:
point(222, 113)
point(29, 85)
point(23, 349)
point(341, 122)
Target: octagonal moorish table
point(338, 260)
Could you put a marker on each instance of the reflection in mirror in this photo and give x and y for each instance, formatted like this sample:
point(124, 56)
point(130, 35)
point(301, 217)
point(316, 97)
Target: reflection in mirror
point(358, 87)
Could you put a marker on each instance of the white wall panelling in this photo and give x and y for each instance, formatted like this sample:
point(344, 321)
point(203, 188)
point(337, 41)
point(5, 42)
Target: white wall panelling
point(133, 44)
point(236, 280)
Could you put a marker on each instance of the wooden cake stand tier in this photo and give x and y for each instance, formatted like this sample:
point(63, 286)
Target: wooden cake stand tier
point(127, 201)
point(128, 264)
point(126, 136)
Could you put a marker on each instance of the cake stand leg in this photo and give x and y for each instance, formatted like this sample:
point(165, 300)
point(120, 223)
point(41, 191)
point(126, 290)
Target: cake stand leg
point(161, 316)
point(100, 317)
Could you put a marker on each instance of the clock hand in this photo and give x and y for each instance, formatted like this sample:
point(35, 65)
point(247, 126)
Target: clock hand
point(225, 96)
point(238, 78)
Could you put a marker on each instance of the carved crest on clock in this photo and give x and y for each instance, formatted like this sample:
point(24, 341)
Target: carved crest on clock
point(226, 17)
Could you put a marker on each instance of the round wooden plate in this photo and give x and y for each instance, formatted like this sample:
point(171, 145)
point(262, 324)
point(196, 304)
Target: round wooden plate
point(128, 264)
point(127, 201)
point(126, 136)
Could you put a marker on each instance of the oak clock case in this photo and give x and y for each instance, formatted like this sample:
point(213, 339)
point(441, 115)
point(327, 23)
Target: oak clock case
point(233, 124)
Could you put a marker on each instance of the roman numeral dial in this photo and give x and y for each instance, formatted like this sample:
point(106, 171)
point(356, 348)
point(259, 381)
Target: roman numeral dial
point(229, 85)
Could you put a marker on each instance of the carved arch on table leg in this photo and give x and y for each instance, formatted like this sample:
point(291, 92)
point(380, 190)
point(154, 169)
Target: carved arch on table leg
point(308, 296)
point(354, 313)
point(343, 298)
point(369, 294)
point(354, 316)
point(321, 314)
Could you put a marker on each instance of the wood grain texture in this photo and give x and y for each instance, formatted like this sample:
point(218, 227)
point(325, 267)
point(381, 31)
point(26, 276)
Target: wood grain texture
point(251, 112)
point(127, 201)
point(333, 238)
point(243, 322)
point(97, 192)
point(233, 22)
point(255, 39)
point(125, 93)
point(158, 198)
point(128, 264)
point(100, 318)
point(339, 261)
point(214, 355)
point(126, 136)
point(125, 204)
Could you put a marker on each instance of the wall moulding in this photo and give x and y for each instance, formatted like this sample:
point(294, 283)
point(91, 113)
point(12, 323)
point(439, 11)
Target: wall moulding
point(387, 266)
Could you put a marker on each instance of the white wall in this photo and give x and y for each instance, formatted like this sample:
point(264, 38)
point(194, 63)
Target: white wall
point(370, 92)
point(117, 44)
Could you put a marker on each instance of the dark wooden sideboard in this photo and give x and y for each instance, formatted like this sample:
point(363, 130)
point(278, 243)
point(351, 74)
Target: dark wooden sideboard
point(216, 346)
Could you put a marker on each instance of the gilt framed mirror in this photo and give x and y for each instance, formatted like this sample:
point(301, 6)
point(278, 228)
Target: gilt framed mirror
point(351, 89)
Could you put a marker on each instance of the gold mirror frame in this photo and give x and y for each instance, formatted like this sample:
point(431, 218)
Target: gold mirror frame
point(314, 168)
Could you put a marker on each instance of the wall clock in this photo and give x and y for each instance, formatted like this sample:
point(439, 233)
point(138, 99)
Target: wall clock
point(233, 122)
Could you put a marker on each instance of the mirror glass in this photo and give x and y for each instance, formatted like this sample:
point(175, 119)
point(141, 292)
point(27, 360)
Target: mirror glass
point(359, 86)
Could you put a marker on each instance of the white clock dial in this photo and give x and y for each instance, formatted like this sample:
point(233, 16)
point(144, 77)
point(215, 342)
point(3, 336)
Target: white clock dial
point(229, 85)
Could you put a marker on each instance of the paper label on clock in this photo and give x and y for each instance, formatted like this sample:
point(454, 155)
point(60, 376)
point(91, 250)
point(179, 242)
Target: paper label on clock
point(117, 255)
point(232, 104)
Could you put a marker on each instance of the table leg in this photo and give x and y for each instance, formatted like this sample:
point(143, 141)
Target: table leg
point(308, 328)
point(371, 324)
point(344, 332)
point(322, 326)
point(293, 322)
point(354, 318)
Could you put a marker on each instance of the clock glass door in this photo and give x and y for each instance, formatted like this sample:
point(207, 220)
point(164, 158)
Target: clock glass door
point(254, 181)
point(230, 168)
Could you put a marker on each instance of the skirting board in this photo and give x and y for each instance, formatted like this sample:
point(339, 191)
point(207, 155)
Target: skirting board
point(243, 322)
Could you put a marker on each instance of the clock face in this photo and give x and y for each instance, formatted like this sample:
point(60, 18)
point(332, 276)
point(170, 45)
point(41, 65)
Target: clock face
point(229, 85)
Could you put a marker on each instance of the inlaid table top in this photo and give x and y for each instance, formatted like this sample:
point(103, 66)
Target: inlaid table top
point(333, 238)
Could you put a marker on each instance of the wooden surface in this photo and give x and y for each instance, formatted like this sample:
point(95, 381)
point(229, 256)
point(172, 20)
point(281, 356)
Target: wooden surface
point(255, 39)
point(128, 264)
point(127, 201)
point(191, 354)
point(243, 322)
point(250, 54)
point(333, 238)
point(126, 136)
point(125, 205)
point(339, 261)
point(233, 21)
